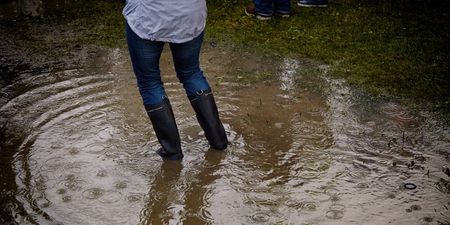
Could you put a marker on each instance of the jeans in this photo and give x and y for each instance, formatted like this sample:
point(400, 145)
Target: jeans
point(266, 7)
point(145, 55)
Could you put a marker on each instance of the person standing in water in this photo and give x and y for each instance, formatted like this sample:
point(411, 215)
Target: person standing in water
point(149, 25)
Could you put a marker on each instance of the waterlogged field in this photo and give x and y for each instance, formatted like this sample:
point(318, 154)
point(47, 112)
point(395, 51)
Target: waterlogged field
point(78, 148)
point(306, 147)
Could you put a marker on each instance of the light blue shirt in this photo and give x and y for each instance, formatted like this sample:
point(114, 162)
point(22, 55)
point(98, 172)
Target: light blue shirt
point(175, 21)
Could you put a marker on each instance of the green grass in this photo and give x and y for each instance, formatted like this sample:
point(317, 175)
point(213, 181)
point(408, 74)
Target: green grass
point(395, 48)
point(93, 22)
point(398, 48)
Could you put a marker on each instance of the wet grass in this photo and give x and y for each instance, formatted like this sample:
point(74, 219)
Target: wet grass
point(396, 48)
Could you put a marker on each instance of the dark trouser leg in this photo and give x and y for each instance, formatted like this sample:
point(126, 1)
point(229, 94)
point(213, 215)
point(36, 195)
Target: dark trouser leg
point(145, 57)
point(282, 6)
point(264, 7)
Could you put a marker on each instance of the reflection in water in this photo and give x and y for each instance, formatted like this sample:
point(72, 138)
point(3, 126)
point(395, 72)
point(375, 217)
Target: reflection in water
point(200, 189)
point(77, 148)
point(173, 199)
point(163, 195)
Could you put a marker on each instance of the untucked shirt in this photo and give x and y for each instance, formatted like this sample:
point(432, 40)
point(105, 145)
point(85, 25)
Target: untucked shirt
point(175, 21)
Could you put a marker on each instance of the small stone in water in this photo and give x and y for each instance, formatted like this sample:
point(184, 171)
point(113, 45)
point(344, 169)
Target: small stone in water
point(410, 186)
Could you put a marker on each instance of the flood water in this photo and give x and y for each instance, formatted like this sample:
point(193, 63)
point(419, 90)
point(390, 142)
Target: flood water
point(78, 148)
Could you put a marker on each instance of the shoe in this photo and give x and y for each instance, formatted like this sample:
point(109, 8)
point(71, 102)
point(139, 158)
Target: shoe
point(251, 11)
point(282, 14)
point(313, 3)
point(208, 117)
point(163, 122)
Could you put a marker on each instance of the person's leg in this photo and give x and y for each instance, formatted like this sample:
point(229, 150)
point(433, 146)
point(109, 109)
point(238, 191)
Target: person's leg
point(207, 114)
point(282, 7)
point(263, 8)
point(145, 56)
point(187, 66)
point(166, 129)
point(186, 59)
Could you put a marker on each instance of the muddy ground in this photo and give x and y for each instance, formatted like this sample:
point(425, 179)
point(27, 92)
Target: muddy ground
point(77, 147)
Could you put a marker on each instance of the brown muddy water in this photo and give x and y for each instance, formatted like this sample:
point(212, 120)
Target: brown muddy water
point(78, 148)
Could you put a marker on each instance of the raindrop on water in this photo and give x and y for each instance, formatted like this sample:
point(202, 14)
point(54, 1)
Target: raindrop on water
point(93, 193)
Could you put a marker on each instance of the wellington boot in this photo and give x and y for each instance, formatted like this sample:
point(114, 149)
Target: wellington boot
point(166, 130)
point(208, 118)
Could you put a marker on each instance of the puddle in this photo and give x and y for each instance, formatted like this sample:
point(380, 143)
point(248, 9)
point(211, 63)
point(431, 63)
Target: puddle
point(78, 148)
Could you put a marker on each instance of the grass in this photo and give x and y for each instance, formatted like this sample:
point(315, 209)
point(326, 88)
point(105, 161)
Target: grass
point(396, 48)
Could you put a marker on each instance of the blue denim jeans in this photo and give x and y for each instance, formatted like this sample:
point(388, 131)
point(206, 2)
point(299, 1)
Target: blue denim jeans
point(267, 7)
point(145, 55)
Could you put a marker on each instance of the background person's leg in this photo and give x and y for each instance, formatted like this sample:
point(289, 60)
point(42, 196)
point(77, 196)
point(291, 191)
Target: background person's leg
point(282, 7)
point(263, 7)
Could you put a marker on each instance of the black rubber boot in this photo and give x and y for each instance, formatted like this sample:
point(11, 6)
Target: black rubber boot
point(166, 130)
point(208, 118)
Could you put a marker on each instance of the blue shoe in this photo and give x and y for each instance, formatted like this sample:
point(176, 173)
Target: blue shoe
point(313, 3)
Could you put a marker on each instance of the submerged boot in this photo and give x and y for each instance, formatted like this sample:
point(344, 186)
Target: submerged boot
point(166, 130)
point(208, 118)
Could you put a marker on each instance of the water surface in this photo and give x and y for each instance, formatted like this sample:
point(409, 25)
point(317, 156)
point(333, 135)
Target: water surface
point(78, 148)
